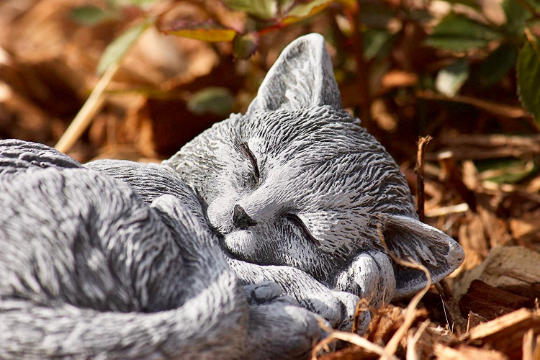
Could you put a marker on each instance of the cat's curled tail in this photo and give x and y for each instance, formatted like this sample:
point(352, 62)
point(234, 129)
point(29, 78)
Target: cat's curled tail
point(116, 260)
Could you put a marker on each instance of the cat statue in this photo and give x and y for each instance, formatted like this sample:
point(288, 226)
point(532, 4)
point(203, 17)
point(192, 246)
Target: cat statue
point(237, 247)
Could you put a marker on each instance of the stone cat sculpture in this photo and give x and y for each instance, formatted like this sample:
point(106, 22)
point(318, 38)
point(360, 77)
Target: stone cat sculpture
point(296, 187)
point(233, 248)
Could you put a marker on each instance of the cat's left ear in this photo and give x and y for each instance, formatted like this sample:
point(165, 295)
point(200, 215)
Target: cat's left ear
point(413, 240)
point(301, 77)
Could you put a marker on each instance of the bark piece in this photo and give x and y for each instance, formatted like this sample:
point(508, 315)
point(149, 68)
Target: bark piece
point(515, 269)
point(491, 302)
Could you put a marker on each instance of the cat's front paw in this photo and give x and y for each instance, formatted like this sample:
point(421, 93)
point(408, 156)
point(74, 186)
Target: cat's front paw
point(278, 331)
point(266, 292)
point(350, 302)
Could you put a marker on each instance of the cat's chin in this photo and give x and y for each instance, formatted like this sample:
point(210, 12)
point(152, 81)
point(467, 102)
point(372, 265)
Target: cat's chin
point(239, 244)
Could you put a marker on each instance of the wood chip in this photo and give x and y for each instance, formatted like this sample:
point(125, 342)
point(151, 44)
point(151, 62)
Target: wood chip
point(526, 228)
point(490, 302)
point(506, 333)
point(464, 352)
point(474, 320)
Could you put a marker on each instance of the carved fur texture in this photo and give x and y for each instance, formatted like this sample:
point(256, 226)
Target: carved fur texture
point(234, 248)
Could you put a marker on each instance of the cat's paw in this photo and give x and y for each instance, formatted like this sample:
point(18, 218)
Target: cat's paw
point(278, 331)
point(350, 302)
point(266, 292)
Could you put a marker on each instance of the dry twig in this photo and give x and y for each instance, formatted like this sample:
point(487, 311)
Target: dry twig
point(86, 114)
point(351, 338)
point(361, 306)
point(413, 339)
point(419, 169)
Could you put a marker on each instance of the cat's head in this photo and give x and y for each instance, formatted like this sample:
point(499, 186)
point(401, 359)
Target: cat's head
point(296, 181)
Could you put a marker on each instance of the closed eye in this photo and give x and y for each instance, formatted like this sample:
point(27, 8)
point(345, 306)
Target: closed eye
point(252, 159)
point(294, 219)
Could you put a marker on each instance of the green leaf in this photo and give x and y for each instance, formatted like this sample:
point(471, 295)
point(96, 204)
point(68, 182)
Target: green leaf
point(506, 171)
point(470, 3)
point(142, 2)
point(376, 15)
point(304, 10)
point(459, 33)
point(285, 4)
point(418, 15)
point(90, 15)
point(450, 79)
point(528, 78)
point(376, 43)
point(139, 3)
point(515, 16)
point(204, 31)
point(120, 46)
point(244, 46)
point(263, 9)
point(498, 64)
point(216, 100)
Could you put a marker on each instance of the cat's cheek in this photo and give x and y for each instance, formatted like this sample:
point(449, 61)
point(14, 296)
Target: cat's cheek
point(241, 243)
point(220, 214)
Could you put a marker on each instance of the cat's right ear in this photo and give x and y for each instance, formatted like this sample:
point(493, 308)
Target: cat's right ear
point(302, 77)
point(412, 240)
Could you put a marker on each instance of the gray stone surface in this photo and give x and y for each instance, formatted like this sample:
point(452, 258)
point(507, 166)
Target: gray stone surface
point(233, 248)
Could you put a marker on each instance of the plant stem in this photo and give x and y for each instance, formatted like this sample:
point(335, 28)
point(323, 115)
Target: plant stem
point(419, 170)
point(86, 114)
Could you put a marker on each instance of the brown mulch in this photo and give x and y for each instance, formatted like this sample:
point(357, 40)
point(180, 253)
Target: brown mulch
point(487, 309)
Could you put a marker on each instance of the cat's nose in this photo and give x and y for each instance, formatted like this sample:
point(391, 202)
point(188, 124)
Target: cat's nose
point(241, 219)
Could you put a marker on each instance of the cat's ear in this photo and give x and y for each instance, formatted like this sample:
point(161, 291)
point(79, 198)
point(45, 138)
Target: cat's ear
point(301, 77)
point(411, 239)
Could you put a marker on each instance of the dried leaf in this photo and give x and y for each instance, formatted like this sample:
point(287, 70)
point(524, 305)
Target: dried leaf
point(205, 31)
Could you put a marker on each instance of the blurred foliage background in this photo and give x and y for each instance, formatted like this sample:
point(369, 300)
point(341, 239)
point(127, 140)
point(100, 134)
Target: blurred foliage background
point(143, 77)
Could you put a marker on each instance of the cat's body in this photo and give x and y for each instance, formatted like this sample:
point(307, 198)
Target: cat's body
point(122, 259)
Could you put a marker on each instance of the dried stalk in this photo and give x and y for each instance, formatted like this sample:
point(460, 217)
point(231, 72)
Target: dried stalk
point(88, 111)
point(419, 170)
point(351, 338)
point(412, 340)
point(361, 306)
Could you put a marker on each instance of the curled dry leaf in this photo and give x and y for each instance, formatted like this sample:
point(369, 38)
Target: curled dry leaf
point(208, 30)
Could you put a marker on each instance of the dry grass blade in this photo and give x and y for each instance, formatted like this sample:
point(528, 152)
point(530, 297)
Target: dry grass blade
point(89, 109)
point(351, 338)
point(412, 340)
point(452, 306)
point(361, 306)
point(512, 112)
point(419, 169)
